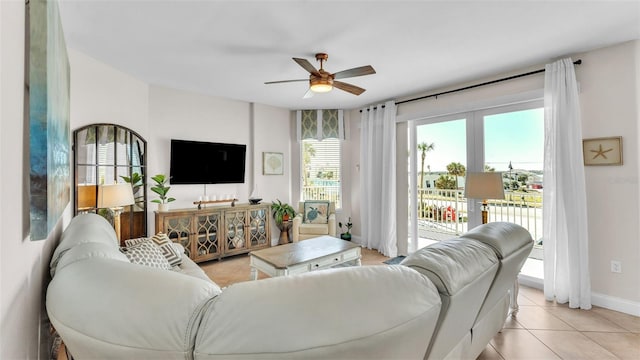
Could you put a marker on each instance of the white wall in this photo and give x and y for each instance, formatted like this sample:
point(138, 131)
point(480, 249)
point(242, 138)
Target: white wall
point(272, 133)
point(610, 92)
point(24, 264)
point(102, 94)
point(609, 105)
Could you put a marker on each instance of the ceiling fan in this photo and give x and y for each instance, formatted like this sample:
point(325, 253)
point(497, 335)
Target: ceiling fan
point(323, 81)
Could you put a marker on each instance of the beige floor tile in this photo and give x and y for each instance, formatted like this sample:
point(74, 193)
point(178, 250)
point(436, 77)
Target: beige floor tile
point(626, 321)
point(489, 353)
point(512, 323)
point(572, 345)
point(514, 344)
point(623, 345)
point(584, 320)
point(536, 296)
point(523, 300)
point(536, 317)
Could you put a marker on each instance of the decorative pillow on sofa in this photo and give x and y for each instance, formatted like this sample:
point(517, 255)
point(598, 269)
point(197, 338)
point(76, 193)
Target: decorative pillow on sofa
point(316, 212)
point(146, 253)
point(174, 257)
point(168, 250)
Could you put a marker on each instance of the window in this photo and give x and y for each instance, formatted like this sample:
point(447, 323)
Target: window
point(320, 171)
point(320, 133)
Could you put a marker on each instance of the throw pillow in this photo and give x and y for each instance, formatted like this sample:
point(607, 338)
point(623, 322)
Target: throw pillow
point(316, 212)
point(146, 253)
point(136, 241)
point(173, 255)
point(168, 250)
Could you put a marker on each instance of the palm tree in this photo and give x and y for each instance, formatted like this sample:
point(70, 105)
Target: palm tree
point(456, 169)
point(424, 148)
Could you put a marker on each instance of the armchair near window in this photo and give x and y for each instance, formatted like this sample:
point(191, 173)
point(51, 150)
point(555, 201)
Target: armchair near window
point(310, 221)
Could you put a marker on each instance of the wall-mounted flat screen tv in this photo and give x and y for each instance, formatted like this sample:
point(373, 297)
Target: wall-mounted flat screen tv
point(197, 162)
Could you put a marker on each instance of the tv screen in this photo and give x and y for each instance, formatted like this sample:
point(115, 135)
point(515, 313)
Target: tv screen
point(197, 162)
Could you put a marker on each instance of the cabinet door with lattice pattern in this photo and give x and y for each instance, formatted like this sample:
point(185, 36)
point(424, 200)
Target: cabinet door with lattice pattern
point(258, 227)
point(235, 222)
point(207, 233)
point(178, 229)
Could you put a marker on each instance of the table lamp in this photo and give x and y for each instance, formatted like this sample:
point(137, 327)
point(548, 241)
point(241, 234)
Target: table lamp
point(115, 197)
point(484, 185)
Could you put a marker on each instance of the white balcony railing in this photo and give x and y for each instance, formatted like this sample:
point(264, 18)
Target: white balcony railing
point(315, 192)
point(445, 211)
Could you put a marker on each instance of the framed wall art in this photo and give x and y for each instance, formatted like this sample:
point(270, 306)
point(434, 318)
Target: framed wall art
point(272, 163)
point(602, 151)
point(49, 129)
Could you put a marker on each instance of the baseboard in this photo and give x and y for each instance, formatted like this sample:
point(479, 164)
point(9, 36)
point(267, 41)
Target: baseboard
point(531, 282)
point(597, 299)
point(615, 303)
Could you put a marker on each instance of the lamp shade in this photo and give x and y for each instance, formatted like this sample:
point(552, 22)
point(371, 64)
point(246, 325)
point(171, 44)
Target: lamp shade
point(115, 195)
point(484, 185)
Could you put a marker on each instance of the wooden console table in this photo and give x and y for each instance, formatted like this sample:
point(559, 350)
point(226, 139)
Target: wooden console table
point(217, 231)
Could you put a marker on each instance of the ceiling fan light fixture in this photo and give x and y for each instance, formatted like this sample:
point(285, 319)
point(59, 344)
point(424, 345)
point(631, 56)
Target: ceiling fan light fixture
point(321, 85)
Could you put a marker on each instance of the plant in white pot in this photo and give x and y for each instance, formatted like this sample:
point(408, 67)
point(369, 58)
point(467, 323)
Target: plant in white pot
point(161, 189)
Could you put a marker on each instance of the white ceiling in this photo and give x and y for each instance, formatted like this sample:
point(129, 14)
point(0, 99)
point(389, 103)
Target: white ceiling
point(230, 48)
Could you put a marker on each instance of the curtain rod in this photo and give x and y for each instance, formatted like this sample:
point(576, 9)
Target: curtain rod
point(577, 62)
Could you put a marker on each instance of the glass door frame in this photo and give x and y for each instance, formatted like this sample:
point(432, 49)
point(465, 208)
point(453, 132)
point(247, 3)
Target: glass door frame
point(475, 153)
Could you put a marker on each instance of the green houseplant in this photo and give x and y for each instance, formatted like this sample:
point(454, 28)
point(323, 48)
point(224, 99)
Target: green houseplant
point(347, 234)
point(136, 183)
point(282, 212)
point(161, 189)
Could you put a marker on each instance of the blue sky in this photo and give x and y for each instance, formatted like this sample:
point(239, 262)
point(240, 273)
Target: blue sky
point(516, 137)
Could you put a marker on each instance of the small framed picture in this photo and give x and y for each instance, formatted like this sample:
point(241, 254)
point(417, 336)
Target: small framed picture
point(272, 163)
point(602, 151)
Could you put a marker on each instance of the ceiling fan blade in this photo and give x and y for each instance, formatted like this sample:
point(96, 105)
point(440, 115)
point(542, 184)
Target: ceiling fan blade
point(355, 90)
point(308, 94)
point(307, 66)
point(359, 71)
point(285, 81)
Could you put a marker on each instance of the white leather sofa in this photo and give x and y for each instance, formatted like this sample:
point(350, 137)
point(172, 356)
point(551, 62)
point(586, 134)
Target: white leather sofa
point(105, 307)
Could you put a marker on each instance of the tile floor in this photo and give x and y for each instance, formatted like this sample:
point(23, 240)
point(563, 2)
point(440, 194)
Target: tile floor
point(540, 330)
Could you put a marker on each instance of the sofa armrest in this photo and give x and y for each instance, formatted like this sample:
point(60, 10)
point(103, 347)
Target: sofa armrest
point(324, 315)
point(332, 224)
point(295, 227)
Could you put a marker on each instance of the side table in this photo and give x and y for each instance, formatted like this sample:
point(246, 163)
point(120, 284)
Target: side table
point(285, 227)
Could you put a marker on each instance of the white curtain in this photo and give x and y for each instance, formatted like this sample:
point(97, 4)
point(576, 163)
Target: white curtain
point(566, 240)
point(378, 178)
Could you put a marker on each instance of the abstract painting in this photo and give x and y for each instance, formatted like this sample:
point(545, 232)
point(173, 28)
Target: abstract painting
point(49, 133)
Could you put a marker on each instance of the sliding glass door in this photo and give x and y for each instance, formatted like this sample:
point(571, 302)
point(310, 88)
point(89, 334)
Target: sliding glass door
point(506, 139)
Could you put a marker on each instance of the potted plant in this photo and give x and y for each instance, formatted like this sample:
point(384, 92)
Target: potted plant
point(161, 189)
point(136, 183)
point(347, 234)
point(282, 212)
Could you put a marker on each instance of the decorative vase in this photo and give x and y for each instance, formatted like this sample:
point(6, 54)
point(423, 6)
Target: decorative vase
point(345, 236)
point(163, 207)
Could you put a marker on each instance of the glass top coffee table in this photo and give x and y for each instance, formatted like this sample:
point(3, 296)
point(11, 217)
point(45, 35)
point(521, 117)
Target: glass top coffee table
point(308, 255)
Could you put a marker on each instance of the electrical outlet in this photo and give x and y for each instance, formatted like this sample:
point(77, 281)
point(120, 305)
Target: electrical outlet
point(616, 266)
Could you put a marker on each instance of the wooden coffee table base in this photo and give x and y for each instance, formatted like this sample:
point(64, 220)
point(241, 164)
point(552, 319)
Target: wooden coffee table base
point(304, 256)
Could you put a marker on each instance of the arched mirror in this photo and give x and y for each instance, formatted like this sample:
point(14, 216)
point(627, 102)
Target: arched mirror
point(107, 154)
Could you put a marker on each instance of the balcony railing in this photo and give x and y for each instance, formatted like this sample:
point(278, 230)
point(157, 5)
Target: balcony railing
point(315, 192)
point(445, 211)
